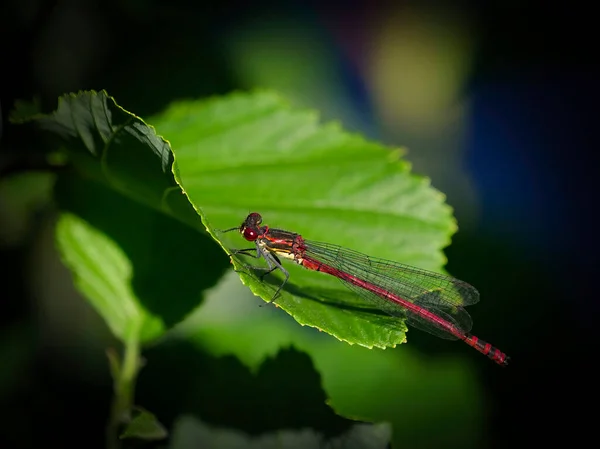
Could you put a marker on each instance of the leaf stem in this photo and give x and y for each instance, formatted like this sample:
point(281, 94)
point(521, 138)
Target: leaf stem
point(124, 376)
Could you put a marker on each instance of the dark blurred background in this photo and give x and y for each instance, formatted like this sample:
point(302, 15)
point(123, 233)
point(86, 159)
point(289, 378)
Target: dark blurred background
point(496, 102)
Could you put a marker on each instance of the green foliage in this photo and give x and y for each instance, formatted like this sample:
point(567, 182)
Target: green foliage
point(144, 426)
point(130, 232)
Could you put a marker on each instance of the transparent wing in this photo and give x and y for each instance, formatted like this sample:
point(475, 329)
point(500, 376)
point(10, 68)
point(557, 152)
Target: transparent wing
point(443, 296)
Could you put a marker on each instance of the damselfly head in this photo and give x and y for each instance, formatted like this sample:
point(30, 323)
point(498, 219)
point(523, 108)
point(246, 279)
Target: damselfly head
point(250, 227)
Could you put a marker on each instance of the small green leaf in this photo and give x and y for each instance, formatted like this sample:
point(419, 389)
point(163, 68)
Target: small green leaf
point(141, 270)
point(103, 273)
point(252, 152)
point(144, 426)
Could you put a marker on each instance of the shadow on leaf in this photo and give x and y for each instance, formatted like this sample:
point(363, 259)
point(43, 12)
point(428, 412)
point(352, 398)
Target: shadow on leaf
point(172, 263)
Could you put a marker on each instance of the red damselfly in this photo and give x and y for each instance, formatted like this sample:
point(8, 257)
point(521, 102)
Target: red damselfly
point(429, 301)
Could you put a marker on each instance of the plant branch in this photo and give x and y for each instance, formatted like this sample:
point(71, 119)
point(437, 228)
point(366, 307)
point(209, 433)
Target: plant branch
point(124, 377)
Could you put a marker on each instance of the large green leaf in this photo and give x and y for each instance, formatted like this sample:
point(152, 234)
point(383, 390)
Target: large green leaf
point(252, 152)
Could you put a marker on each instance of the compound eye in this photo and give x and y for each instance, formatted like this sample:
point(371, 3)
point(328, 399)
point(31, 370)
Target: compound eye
point(250, 234)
